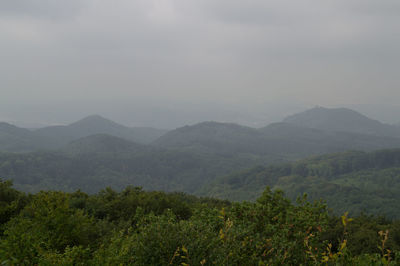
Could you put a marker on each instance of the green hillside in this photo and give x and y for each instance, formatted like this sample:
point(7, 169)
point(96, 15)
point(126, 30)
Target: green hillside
point(102, 143)
point(98, 161)
point(351, 181)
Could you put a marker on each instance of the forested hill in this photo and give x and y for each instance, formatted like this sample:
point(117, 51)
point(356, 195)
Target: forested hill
point(314, 131)
point(283, 140)
point(16, 139)
point(102, 143)
point(96, 124)
point(351, 181)
point(216, 137)
point(98, 161)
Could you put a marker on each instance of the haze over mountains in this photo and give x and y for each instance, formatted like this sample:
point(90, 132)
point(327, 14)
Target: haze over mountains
point(342, 120)
point(316, 130)
point(17, 139)
point(201, 159)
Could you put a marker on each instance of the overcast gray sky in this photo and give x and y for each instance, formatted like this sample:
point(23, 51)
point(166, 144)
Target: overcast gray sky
point(164, 53)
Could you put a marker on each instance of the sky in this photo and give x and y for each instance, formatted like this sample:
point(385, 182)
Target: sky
point(165, 63)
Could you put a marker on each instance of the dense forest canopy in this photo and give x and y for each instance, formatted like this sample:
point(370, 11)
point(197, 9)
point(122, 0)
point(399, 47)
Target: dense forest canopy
point(351, 181)
point(134, 227)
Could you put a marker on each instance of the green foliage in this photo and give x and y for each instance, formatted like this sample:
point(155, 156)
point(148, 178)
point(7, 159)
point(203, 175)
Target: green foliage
point(11, 202)
point(270, 231)
point(351, 181)
point(135, 227)
point(46, 224)
point(116, 206)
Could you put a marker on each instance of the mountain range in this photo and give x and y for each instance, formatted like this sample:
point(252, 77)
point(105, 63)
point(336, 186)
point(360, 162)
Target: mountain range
point(316, 130)
point(216, 159)
point(15, 139)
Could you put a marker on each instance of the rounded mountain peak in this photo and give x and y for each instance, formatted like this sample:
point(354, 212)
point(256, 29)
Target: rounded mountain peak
point(339, 119)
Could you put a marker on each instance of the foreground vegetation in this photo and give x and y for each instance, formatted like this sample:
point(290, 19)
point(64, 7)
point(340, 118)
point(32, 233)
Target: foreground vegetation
point(155, 228)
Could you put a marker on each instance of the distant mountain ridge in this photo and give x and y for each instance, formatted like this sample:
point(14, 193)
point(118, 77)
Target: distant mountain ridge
point(277, 139)
point(314, 131)
point(96, 124)
point(16, 139)
point(343, 120)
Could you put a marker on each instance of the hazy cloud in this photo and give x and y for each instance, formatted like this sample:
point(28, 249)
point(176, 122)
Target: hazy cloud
point(227, 51)
point(41, 9)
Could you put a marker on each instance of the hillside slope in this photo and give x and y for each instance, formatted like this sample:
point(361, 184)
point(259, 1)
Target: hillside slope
point(351, 181)
point(102, 143)
point(16, 139)
point(96, 162)
point(214, 137)
point(279, 140)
